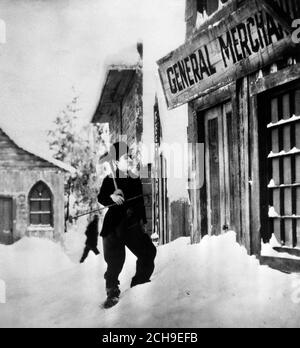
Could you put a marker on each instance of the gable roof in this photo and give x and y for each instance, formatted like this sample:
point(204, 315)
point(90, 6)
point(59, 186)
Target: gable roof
point(19, 143)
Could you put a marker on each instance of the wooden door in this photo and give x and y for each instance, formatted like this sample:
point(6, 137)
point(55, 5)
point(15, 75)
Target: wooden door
point(283, 129)
point(217, 169)
point(6, 221)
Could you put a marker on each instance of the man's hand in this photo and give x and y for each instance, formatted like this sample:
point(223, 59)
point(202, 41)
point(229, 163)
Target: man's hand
point(118, 197)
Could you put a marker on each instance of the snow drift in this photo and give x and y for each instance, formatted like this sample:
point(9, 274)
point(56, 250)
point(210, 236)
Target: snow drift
point(211, 284)
point(32, 258)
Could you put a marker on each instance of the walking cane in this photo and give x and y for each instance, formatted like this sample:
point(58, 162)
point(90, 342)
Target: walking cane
point(113, 174)
point(107, 207)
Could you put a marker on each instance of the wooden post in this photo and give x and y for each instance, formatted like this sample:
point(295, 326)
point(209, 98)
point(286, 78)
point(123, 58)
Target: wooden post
point(244, 164)
point(255, 203)
point(235, 166)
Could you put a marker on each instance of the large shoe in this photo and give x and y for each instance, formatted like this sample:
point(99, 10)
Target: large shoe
point(113, 297)
point(110, 302)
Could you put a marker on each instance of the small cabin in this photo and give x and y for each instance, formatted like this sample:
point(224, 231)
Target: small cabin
point(31, 193)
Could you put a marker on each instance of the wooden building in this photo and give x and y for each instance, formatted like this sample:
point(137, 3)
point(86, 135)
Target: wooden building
point(121, 107)
point(31, 193)
point(239, 72)
point(121, 104)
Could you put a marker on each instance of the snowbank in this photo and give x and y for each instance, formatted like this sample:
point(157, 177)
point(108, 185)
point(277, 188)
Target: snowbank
point(31, 258)
point(211, 284)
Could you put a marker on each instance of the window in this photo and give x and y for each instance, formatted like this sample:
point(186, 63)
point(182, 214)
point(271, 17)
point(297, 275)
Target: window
point(40, 202)
point(284, 166)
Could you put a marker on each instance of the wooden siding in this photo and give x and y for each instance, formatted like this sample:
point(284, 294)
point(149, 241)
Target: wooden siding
point(13, 156)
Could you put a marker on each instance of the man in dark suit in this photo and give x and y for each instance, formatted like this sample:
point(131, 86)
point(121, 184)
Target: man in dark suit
point(124, 224)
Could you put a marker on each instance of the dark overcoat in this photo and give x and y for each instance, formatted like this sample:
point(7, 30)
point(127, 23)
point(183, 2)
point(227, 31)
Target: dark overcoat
point(117, 215)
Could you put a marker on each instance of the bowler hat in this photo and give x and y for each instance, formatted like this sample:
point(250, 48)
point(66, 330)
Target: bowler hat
point(116, 151)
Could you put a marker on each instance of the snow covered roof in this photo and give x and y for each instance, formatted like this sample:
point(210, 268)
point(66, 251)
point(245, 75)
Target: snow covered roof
point(120, 70)
point(128, 57)
point(116, 85)
point(33, 150)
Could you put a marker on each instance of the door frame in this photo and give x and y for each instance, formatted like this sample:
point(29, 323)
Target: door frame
point(224, 181)
point(13, 213)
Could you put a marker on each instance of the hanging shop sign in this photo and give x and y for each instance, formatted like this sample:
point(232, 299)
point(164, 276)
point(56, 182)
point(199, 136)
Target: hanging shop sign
point(239, 44)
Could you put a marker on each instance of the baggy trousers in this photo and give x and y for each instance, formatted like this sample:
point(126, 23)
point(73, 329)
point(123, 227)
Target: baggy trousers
point(139, 243)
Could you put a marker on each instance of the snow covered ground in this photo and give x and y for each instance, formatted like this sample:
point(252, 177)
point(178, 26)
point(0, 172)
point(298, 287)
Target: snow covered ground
point(212, 284)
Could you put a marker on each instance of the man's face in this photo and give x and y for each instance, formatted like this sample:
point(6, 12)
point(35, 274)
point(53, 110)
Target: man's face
point(125, 163)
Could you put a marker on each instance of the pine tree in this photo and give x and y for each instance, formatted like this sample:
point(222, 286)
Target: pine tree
point(79, 147)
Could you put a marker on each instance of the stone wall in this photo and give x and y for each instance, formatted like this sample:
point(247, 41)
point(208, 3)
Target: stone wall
point(17, 183)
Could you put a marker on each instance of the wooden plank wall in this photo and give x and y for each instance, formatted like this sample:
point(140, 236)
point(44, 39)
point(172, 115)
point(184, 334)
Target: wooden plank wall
point(255, 223)
point(243, 167)
point(196, 216)
point(179, 220)
point(12, 156)
point(243, 116)
point(235, 191)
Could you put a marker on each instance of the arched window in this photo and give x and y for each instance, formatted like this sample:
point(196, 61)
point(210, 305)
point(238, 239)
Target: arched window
point(40, 203)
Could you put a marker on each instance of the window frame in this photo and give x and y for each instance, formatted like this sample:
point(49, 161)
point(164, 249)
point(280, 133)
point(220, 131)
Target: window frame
point(40, 213)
